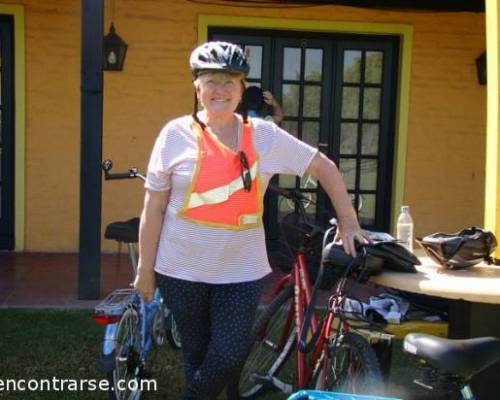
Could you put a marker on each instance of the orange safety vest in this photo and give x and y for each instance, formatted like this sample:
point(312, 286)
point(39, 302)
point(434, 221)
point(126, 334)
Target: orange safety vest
point(216, 196)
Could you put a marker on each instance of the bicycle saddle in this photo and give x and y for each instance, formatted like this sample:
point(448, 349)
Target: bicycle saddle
point(464, 358)
point(123, 231)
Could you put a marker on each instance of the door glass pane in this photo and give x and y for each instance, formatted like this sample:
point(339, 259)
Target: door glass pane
point(310, 206)
point(291, 63)
point(369, 143)
point(314, 63)
point(312, 101)
point(291, 100)
point(291, 127)
point(287, 181)
point(285, 207)
point(348, 170)
point(371, 103)
point(368, 176)
point(310, 133)
point(255, 60)
point(353, 197)
point(308, 182)
point(348, 138)
point(352, 66)
point(366, 207)
point(373, 66)
point(350, 102)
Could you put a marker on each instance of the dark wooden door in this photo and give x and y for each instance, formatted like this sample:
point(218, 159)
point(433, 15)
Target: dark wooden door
point(338, 94)
point(7, 200)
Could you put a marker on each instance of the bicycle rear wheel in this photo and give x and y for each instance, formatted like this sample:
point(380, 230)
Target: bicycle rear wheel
point(125, 378)
point(352, 367)
point(267, 356)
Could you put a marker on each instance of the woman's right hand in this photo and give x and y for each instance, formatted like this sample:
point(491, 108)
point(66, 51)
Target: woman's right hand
point(144, 282)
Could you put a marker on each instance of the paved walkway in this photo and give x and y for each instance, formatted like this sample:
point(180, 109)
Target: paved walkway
point(50, 280)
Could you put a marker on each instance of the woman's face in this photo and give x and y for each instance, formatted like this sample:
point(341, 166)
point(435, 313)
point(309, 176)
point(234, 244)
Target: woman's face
point(219, 92)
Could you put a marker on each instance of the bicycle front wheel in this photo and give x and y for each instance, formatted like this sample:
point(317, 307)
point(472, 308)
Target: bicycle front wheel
point(173, 334)
point(351, 367)
point(271, 346)
point(125, 378)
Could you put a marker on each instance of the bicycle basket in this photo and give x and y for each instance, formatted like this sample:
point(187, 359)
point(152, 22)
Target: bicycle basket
point(293, 230)
point(321, 395)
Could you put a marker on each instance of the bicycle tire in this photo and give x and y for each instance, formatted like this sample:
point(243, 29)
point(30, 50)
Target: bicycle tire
point(127, 359)
point(262, 358)
point(172, 333)
point(352, 367)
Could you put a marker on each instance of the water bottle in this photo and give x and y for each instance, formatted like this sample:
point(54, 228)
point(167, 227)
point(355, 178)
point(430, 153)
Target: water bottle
point(405, 228)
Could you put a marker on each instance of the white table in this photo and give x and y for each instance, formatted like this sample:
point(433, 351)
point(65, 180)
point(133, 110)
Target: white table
point(479, 284)
point(474, 310)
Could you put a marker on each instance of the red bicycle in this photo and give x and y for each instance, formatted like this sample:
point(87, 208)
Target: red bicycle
point(329, 354)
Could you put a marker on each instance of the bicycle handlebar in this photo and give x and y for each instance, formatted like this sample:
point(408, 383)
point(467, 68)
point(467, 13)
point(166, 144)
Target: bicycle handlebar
point(132, 173)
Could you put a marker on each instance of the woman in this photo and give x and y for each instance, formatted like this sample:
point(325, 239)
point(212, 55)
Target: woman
point(201, 226)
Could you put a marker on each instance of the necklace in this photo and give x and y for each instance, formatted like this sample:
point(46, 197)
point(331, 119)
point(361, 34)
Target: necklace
point(231, 139)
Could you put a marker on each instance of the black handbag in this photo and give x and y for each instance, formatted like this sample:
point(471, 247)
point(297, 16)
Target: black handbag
point(383, 252)
point(458, 250)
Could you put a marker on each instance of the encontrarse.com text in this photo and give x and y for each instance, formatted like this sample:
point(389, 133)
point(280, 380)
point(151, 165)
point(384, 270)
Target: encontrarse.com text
point(74, 385)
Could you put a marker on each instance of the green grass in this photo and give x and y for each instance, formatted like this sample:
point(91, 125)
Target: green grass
point(42, 344)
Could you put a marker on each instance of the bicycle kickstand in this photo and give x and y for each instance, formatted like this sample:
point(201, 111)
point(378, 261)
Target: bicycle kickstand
point(271, 381)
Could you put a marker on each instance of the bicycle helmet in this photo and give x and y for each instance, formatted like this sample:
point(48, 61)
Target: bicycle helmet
point(458, 250)
point(218, 56)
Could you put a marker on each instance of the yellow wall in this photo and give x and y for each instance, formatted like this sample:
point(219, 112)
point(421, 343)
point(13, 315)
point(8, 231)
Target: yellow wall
point(492, 186)
point(444, 175)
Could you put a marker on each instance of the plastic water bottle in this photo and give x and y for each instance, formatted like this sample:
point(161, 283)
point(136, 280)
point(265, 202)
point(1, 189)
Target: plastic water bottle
point(405, 228)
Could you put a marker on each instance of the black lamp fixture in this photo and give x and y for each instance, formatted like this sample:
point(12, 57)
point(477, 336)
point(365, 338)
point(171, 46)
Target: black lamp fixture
point(115, 50)
point(481, 68)
point(114, 47)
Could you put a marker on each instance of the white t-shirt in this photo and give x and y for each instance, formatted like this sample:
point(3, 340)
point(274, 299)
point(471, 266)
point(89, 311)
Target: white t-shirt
point(207, 254)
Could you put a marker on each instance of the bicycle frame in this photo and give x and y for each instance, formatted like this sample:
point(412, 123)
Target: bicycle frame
point(299, 277)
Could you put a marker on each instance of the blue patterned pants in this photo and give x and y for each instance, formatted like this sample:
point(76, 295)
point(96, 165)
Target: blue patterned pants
point(214, 321)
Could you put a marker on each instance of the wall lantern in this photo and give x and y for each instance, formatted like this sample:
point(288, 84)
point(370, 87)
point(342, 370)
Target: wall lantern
point(481, 68)
point(114, 51)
